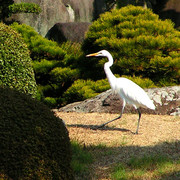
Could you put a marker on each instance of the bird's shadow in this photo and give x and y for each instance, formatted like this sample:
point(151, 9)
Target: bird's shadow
point(96, 127)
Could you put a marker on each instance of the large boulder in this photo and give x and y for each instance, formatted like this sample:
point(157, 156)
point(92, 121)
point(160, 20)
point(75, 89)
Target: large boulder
point(74, 32)
point(86, 10)
point(166, 100)
point(52, 12)
point(59, 11)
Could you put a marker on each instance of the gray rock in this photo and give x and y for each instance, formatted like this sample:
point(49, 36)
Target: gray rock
point(73, 31)
point(166, 100)
point(52, 12)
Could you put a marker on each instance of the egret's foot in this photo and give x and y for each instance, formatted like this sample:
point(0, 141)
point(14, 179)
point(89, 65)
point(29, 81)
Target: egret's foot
point(97, 127)
point(100, 126)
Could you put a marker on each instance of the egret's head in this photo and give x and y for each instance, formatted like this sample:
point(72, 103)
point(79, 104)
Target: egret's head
point(103, 53)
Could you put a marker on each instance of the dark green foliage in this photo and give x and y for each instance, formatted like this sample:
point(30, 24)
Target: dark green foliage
point(84, 89)
point(80, 90)
point(39, 46)
point(141, 44)
point(34, 143)
point(56, 67)
point(15, 63)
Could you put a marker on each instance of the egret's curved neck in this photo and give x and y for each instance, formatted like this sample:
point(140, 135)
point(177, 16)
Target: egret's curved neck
point(109, 74)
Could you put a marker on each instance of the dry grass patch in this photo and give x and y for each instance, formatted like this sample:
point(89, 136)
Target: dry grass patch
point(117, 143)
point(153, 129)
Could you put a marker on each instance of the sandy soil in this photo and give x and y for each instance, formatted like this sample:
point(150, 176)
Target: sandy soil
point(157, 135)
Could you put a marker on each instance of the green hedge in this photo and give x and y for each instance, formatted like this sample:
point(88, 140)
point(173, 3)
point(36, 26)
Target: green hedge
point(15, 63)
point(34, 143)
point(141, 44)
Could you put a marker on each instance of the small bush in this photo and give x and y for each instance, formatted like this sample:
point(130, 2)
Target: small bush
point(61, 76)
point(84, 89)
point(15, 63)
point(34, 143)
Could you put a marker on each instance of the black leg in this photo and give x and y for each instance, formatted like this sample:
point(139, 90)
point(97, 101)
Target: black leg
point(102, 125)
point(139, 112)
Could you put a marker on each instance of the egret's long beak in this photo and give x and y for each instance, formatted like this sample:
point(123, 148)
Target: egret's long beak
point(94, 54)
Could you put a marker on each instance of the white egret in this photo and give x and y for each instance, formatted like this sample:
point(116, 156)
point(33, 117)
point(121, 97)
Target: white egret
point(130, 92)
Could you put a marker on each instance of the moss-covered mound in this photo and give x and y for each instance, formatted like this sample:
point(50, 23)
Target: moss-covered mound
point(34, 143)
point(15, 63)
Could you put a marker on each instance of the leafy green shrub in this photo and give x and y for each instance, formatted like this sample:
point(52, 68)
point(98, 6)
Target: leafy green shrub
point(34, 143)
point(15, 63)
point(50, 101)
point(60, 76)
point(141, 44)
point(44, 66)
point(55, 66)
point(39, 47)
point(84, 89)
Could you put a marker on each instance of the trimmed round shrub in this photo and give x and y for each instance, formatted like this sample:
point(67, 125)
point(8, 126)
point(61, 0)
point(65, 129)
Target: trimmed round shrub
point(34, 143)
point(15, 63)
point(141, 44)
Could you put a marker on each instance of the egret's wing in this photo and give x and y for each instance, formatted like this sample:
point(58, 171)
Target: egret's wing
point(133, 94)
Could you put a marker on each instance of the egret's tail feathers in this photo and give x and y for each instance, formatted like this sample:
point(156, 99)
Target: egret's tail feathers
point(151, 106)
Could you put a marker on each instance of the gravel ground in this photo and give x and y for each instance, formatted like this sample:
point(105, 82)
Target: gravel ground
point(158, 134)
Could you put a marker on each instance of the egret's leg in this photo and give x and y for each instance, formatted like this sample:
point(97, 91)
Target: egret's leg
point(139, 112)
point(102, 125)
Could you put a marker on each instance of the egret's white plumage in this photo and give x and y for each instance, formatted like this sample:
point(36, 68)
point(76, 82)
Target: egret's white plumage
point(130, 92)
